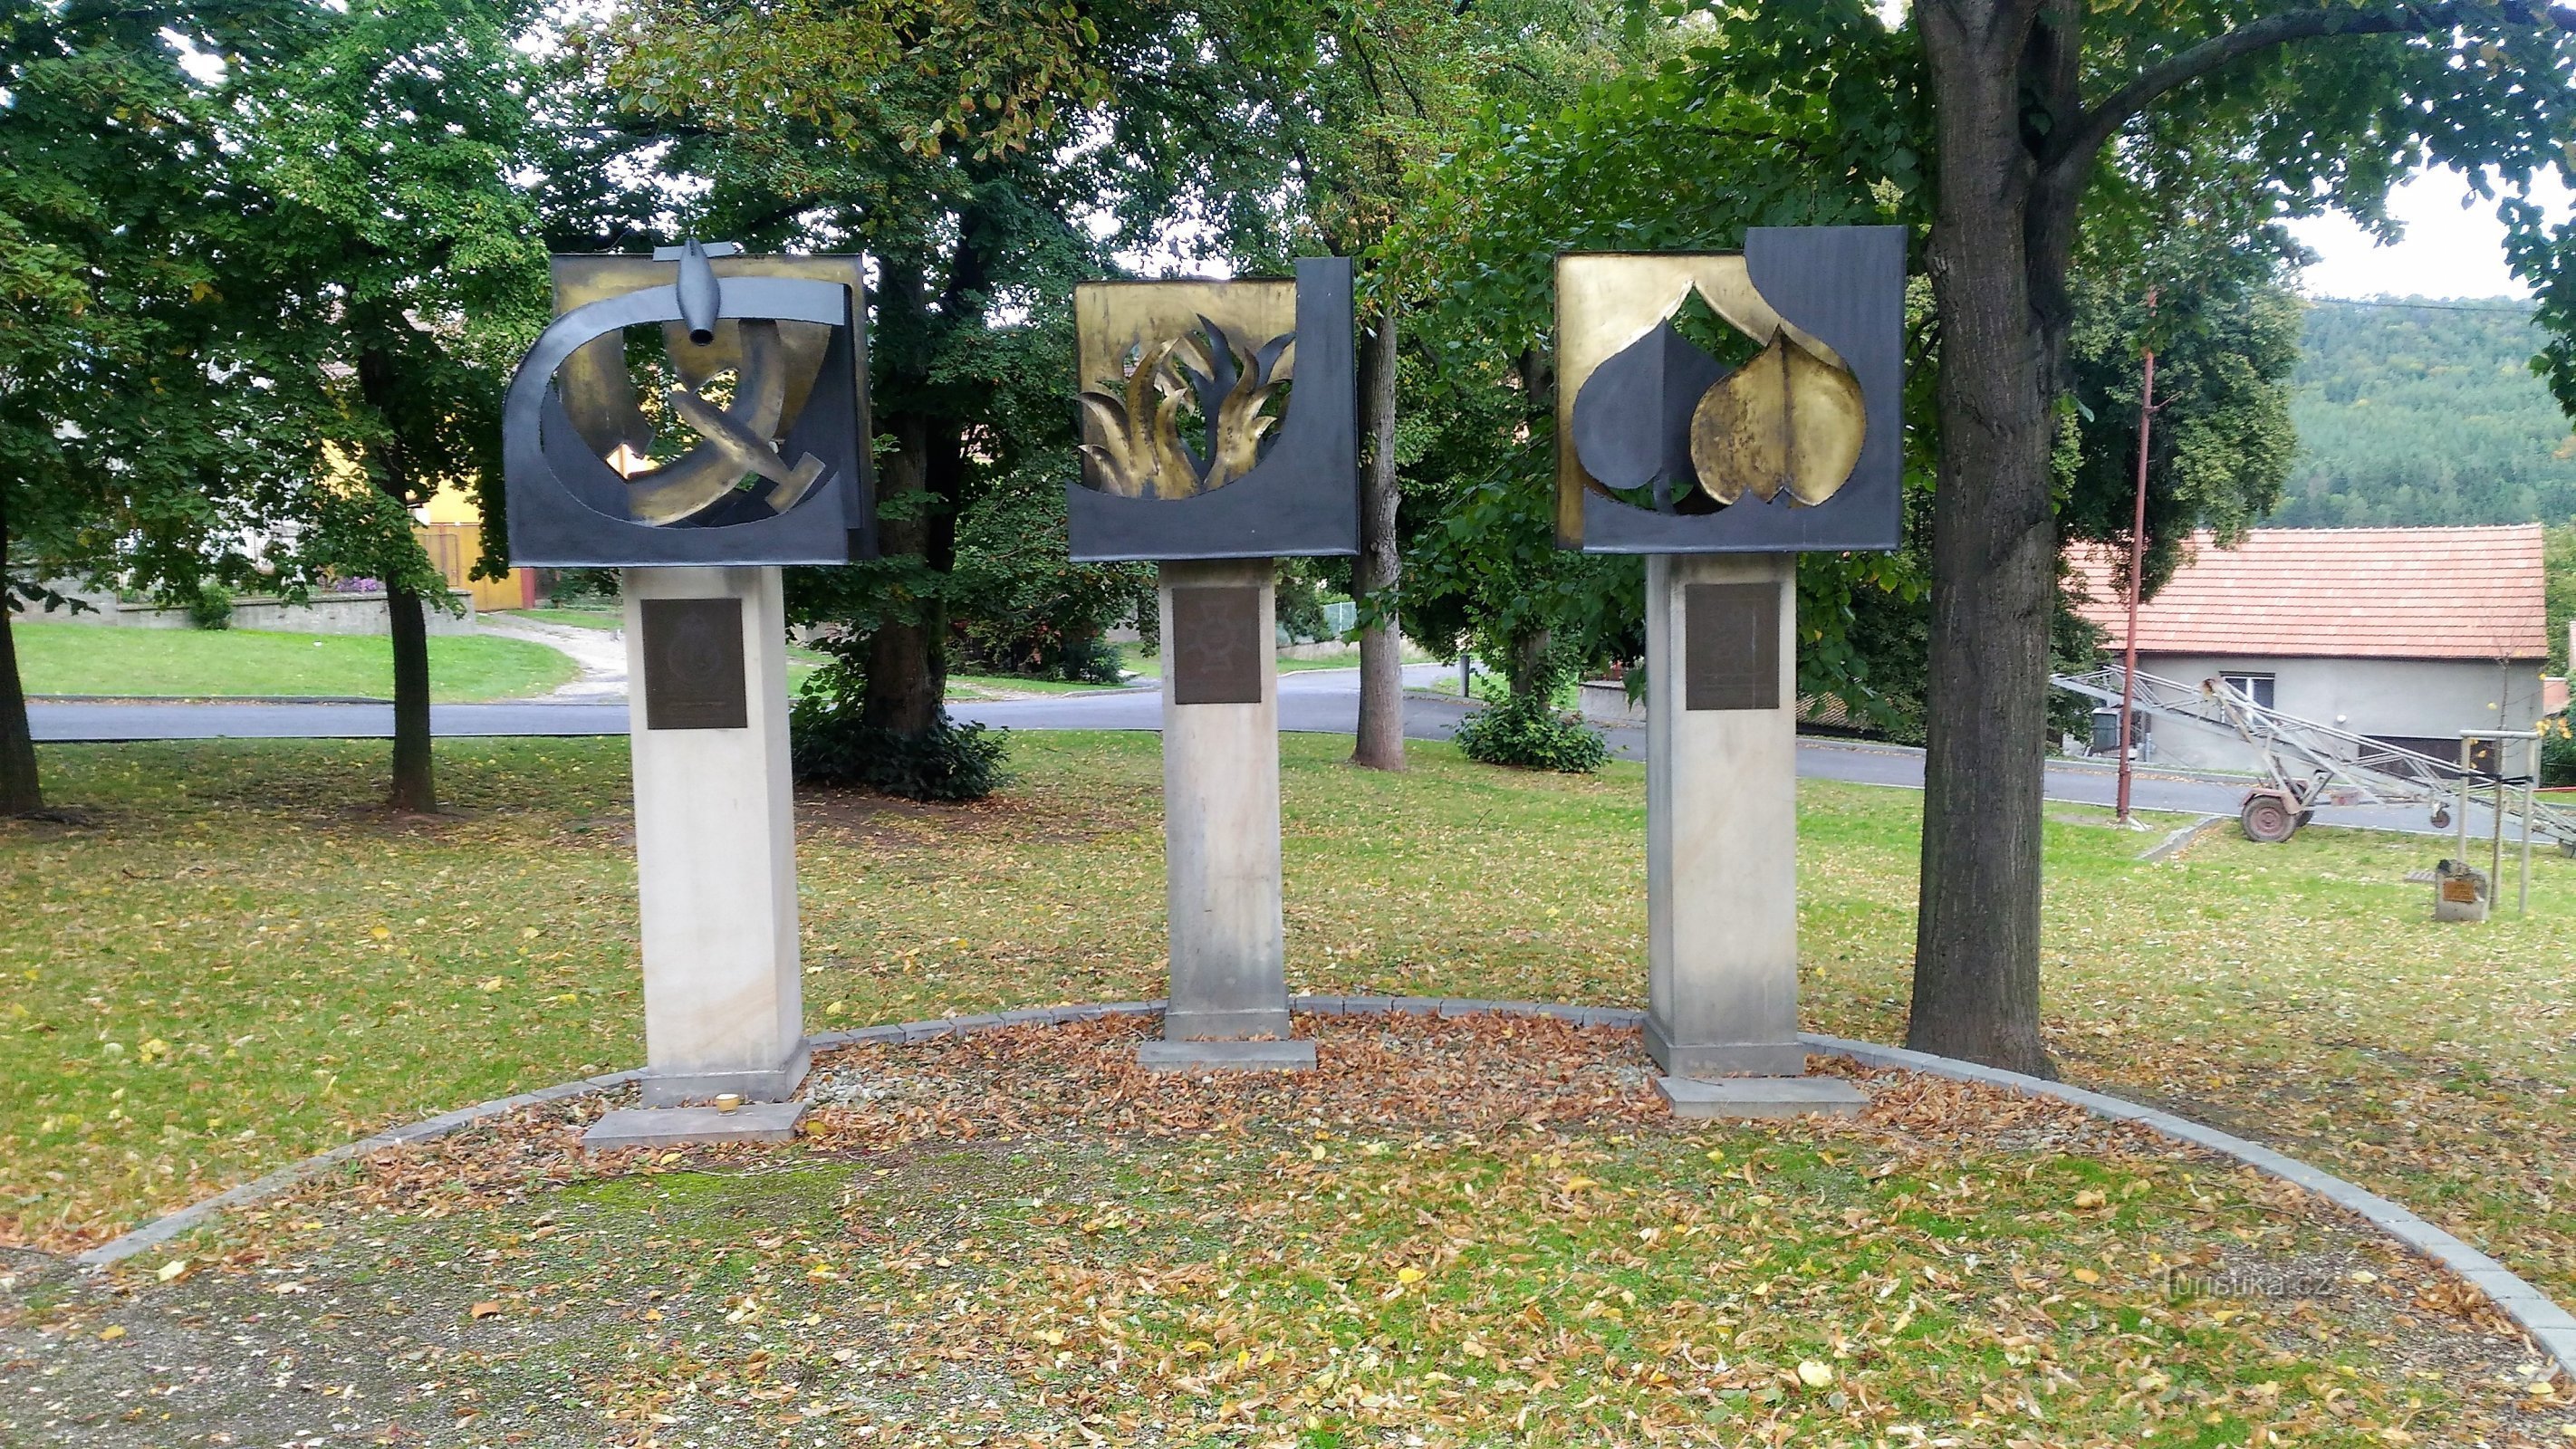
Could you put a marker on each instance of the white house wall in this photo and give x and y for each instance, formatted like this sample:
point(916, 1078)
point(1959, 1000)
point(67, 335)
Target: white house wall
point(2435, 698)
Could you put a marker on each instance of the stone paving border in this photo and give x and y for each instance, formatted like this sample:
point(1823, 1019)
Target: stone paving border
point(2180, 838)
point(2549, 1326)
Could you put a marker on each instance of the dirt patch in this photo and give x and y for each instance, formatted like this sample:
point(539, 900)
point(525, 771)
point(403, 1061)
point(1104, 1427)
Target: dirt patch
point(886, 820)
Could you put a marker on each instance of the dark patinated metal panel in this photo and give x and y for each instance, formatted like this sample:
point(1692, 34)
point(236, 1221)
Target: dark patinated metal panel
point(1731, 646)
point(693, 665)
point(1216, 644)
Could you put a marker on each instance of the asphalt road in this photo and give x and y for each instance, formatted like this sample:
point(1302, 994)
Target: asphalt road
point(1323, 701)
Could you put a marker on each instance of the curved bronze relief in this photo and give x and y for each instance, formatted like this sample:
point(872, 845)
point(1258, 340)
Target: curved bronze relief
point(1234, 384)
point(756, 433)
point(1664, 447)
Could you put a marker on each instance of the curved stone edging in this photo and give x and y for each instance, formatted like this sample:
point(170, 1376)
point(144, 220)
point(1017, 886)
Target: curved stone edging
point(2549, 1325)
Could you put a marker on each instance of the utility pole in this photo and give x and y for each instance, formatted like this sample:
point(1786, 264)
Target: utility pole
point(2137, 572)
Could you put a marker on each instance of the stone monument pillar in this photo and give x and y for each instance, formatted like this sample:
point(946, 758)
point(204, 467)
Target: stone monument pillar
point(1722, 832)
point(715, 849)
point(1229, 992)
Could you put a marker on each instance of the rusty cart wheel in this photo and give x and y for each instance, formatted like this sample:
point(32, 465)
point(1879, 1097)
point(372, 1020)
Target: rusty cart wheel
point(2267, 819)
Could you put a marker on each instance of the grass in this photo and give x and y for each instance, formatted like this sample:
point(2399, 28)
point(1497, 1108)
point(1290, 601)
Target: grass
point(607, 617)
point(244, 962)
point(225, 663)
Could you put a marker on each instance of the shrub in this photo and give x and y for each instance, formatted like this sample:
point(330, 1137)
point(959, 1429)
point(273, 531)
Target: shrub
point(2558, 750)
point(212, 608)
point(1529, 733)
point(830, 742)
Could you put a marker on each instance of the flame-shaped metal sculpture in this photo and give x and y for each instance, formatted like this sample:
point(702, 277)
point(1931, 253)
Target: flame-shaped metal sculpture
point(1795, 449)
point(1219, 419)
point(775, 473)
point(1141, 453)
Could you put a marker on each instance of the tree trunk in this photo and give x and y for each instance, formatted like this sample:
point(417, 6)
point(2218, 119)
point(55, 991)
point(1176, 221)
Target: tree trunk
point(415, 790)
point(1380, 743)
point(1529, 663)
point(21, 792)
point(1994, 556)
point(903, 680)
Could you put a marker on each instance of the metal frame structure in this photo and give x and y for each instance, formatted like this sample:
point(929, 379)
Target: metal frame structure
point(2307, 764)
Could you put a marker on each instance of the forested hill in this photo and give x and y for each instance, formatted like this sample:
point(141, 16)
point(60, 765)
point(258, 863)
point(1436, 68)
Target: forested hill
point(2425, 414)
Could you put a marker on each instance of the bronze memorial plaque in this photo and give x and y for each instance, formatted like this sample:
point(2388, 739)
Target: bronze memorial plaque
point(693, 665)
point(1216, 638)
point(1731, 646)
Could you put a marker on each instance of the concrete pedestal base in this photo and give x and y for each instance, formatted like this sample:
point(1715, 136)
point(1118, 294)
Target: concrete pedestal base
point(1722, 814)
point(680, 1089)
point(687, 1126)
point(1761, 1096)
point(715, 834)
point(1221, 823)
point(1226, 1056)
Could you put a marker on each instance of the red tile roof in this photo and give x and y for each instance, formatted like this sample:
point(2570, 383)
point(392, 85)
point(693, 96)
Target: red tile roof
point(2360, 593)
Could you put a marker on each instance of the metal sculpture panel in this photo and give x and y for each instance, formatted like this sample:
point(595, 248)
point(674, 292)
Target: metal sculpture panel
point(1664, 448)
point(759, 456)
point(1219, 419)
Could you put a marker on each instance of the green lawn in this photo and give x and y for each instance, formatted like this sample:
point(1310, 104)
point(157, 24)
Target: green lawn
point(243, 962)
point(611, 617)
point(221, 663)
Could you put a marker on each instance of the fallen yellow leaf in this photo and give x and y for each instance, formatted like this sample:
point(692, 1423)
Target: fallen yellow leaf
point(112, 1331)
point(2090, 1198)
point(1815, 1375)
point(1409, 1275)
point(1578, 1184)
point(2087, 1276)
point(175, 1269)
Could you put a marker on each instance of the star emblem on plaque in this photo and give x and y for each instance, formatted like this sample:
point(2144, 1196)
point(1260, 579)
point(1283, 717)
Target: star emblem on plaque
point(1220, 419)
point(697, 406)
point(1733, 402)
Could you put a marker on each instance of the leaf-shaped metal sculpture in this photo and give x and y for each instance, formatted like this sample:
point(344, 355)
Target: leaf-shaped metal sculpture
point(1788, 420)
point(1632, 419)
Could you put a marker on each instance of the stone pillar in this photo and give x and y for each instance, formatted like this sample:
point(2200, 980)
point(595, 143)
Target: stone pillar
point(1221, 822)
point(1722, 836)
point(715, 834)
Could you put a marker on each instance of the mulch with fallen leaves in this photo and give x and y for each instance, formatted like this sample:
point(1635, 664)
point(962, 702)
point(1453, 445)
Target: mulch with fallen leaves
point(1455, 1231)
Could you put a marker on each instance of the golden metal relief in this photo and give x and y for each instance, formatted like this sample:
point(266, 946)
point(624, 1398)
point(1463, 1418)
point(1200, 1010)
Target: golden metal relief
point(1162, 361)
point(1637, 401)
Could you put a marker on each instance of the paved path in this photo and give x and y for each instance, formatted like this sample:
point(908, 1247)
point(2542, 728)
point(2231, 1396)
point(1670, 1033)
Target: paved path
point(1319, 701)
point(600, 654)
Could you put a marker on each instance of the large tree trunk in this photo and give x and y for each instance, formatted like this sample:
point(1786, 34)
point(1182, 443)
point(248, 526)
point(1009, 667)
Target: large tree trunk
point(1529, 674)
point(1994, 554)
point(904, 679)
point(21, 793)
point(414, 789)
point(1380, 744)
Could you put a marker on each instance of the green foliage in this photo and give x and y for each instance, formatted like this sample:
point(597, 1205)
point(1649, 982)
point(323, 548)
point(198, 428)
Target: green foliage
point(1018, 605)
point(2426, 414)
point(2559, 559)
point(212, 608)
point(832, 742)
point(1527, 732)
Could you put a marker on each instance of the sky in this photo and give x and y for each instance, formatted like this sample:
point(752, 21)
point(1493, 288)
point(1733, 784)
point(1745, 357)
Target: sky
point(2448, 251)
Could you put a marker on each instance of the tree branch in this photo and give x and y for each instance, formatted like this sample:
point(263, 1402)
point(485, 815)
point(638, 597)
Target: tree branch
point(2075, 144)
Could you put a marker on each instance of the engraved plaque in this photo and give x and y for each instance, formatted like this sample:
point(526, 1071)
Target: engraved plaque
point(1731, 646)
point(693, 665)
point(1216, 644)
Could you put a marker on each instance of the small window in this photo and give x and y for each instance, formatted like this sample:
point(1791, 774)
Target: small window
point(2256, 688)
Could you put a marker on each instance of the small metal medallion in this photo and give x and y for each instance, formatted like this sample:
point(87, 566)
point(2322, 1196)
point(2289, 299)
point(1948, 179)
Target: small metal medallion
point(1731, 646)
point(1216, 644)
point(693, 665)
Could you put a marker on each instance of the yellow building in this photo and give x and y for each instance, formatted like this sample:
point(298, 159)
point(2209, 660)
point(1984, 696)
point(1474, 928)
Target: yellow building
point(450, 530)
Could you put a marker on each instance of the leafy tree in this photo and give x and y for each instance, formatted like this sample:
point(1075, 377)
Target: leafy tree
point(978, 151)
point(386, 145)
point(150, 419)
